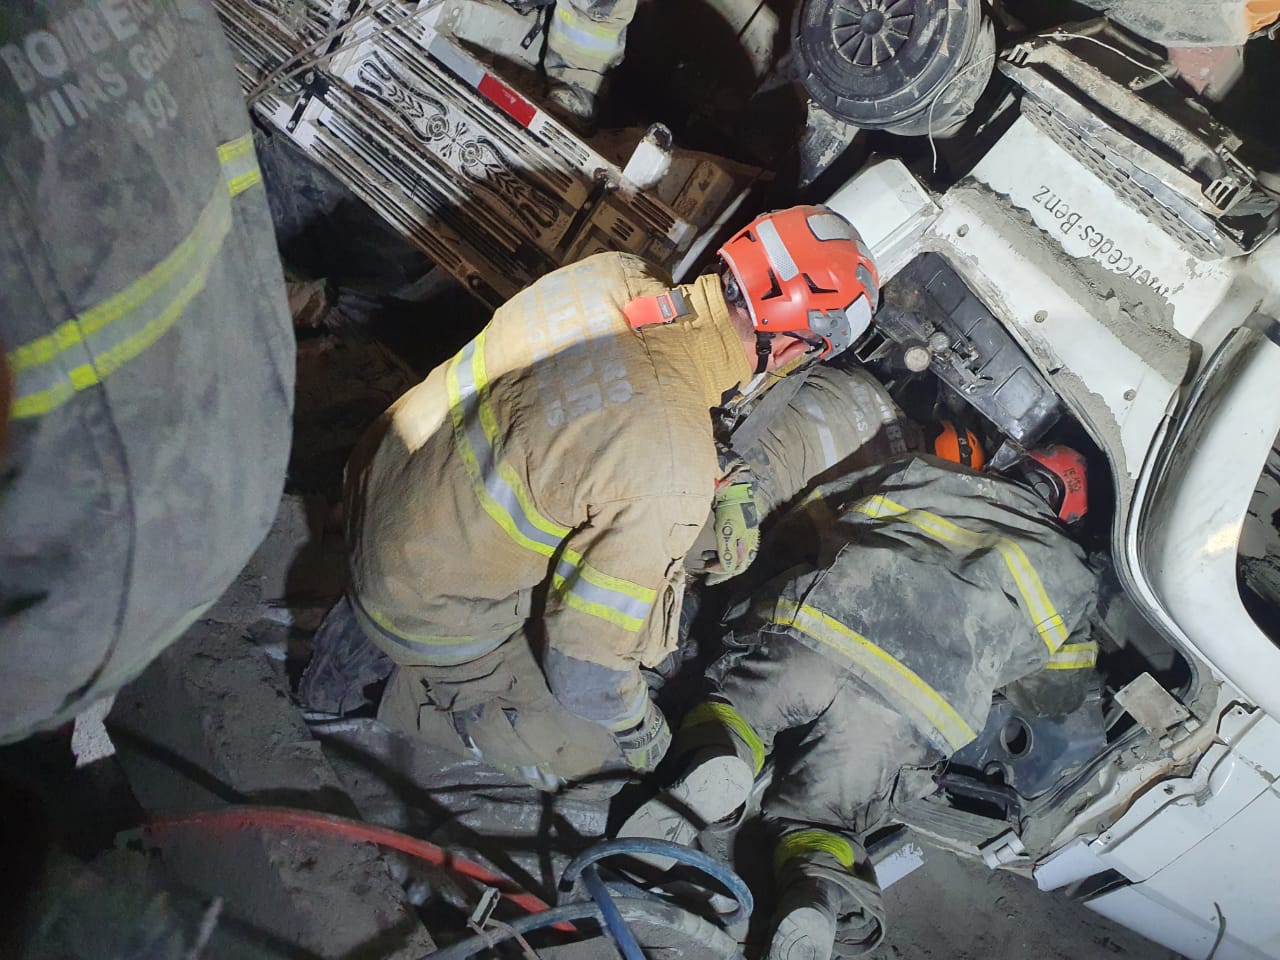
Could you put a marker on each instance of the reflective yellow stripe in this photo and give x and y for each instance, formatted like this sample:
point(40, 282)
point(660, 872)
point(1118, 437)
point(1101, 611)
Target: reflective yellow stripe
point(586, 589)
point(73, 332)
point(107, 336)
point(81, 352)
point(933, 715)
point(603, 580)
point(1074, 656)
point(565, 588)
point(580, 57)
point(804, 842)
point(583, 42)
point(489, 423)
point(631, 717)
point(577, 21)
point(721, 714)
point(467, 387)
point(238, 185)
point(239, 164)
point(506, 499)
point(603, 611)
point(235, 149)
point(430, 649)
point(1044, 617)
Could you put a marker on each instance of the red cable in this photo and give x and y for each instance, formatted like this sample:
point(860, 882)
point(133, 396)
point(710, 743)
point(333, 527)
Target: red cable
point(323, 823)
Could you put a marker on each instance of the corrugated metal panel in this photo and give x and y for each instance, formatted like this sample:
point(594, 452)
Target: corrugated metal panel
point(486, 184)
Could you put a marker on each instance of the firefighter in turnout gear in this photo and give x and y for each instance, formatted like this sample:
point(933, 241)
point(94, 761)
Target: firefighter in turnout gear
point(837, 420)
point(147, 378)
point(518, 522)
point(586, 39)
point(887, 608)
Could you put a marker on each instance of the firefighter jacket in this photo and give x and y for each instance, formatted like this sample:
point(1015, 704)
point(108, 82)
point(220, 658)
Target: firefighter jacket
point(548, 479)
point(935, 586)
point(143, 318)
point(839, 421)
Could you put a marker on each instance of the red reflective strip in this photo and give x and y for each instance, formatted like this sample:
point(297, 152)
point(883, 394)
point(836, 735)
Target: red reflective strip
point(507, 100)
point(646, 311)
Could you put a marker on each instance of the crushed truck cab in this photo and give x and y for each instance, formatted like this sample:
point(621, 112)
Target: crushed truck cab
point(1130, 260)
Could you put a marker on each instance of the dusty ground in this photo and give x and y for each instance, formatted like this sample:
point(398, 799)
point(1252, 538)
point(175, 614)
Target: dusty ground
point(947, 910)
point(953, 910)
point(950, 909)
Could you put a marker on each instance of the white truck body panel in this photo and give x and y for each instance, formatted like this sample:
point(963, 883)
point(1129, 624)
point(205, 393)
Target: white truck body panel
point(1122, 320)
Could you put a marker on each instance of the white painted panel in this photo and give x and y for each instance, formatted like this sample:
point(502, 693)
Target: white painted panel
point(1089, 220)
point(890, 209)
point(1236, 870)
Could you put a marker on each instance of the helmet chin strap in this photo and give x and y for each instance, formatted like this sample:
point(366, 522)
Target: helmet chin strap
point(764, 351)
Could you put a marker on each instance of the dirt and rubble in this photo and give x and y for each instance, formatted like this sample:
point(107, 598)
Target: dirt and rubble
point(213, 722)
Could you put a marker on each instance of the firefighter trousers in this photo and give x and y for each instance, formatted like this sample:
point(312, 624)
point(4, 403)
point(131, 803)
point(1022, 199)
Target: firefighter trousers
point(587, 38)
point(843, 755)
point(842, 758)
point(498, 709)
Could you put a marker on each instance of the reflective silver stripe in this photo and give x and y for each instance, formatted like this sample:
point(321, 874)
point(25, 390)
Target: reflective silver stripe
point(634, 713)
point(598, 41)
point(867, 280)
point(82, 352)
point(1046, 620)
point(831, 226)
point(1074, 656)
point(931, 713)
point(573, 582)
point(824, 433)
point(497, 487)
point(858, 314)
point(42, 388)
point(777, 251)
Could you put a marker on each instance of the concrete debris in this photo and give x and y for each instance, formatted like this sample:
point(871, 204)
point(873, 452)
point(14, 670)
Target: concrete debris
point(296, 573)
point(90, 741)
point(211, 723)
point(344, 384)
point(109, 908)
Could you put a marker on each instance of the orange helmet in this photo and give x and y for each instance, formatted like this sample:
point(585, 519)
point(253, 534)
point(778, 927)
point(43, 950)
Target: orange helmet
point(804, 271)
point(1060, 475)
point(962, 448)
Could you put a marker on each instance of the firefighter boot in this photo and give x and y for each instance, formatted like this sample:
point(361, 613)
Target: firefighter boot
point(716, 783)
point(805, 921)
point(573, 106)
point(829, 902)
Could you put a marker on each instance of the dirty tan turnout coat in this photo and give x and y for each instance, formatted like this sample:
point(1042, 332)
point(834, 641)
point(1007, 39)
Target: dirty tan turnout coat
point(548, 479)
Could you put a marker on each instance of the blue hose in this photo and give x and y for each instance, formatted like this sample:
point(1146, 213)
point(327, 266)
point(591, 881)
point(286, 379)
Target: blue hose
point(572, 913)
point(605, 910)
point(613, 923)
point(681, 854)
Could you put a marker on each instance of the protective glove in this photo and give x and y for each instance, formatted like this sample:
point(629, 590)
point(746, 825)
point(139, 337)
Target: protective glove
point(736, 521)
point(645, 744)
